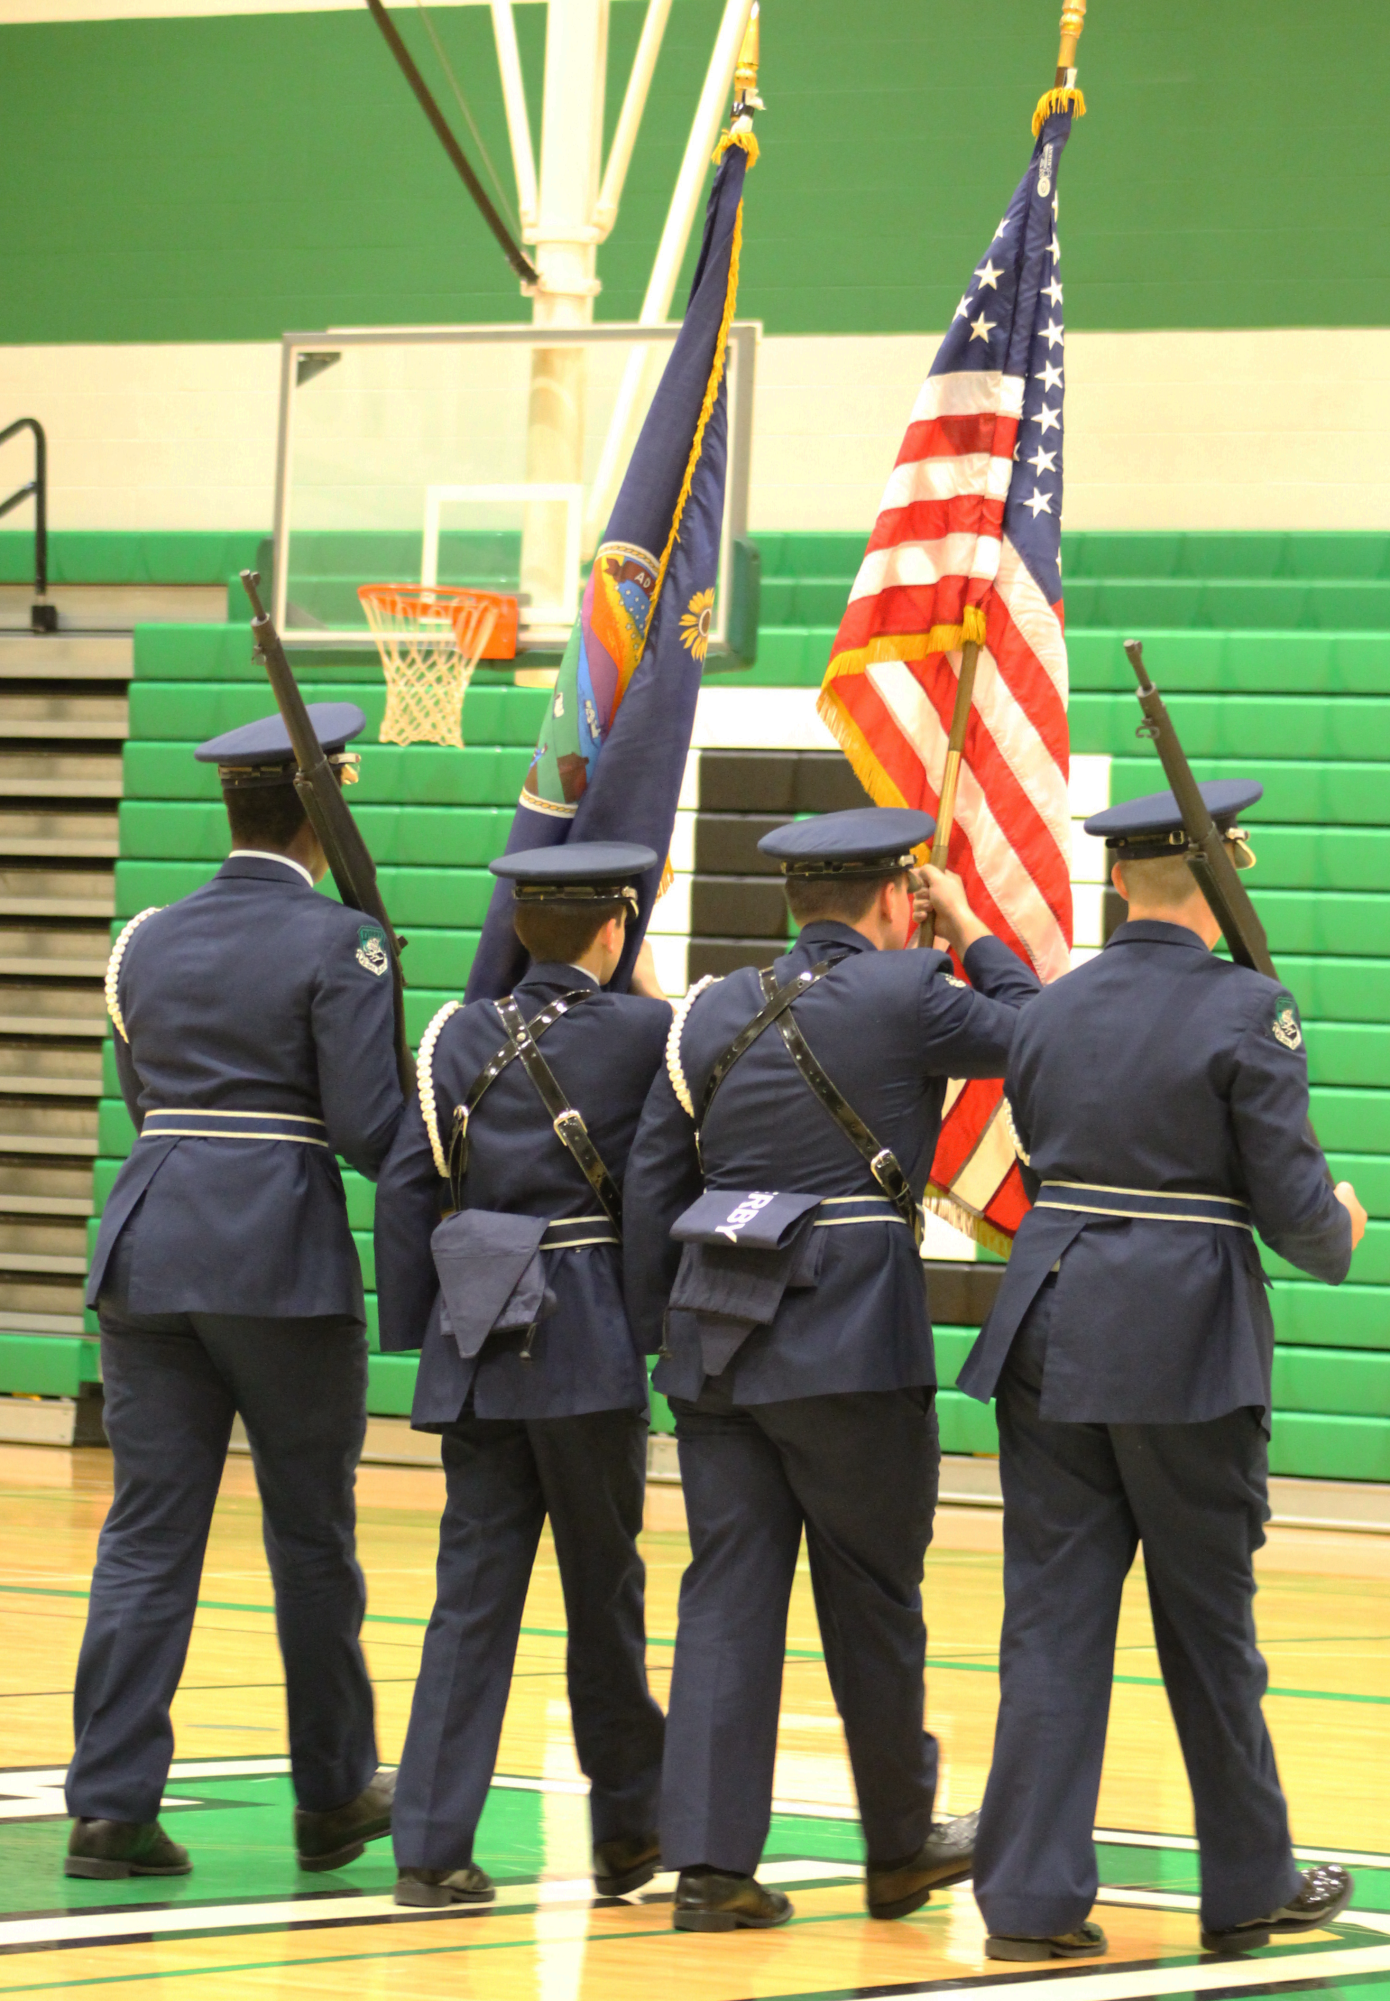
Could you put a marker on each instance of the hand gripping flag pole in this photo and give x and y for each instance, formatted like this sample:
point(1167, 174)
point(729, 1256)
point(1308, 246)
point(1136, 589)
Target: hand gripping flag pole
point(612, 749)
point(947, 684)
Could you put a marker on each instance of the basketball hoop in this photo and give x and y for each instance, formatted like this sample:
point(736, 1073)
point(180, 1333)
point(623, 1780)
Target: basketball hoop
point(430, 638)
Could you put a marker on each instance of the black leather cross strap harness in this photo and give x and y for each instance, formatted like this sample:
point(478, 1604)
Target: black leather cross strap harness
point(568, 1123)
point(883, 1162)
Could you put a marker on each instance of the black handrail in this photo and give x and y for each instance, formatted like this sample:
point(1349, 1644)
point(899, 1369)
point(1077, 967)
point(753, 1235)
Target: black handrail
point(43, 617)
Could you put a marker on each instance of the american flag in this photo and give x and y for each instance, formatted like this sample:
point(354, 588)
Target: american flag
point(967, 545)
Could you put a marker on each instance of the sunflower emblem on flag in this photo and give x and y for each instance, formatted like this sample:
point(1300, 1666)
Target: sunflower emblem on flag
point(695, 623)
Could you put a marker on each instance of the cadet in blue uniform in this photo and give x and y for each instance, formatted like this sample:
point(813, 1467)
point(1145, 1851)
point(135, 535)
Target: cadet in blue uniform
point(1159, 1097)
point(797, 1349)
point(521, 1128)
point(253, 1040)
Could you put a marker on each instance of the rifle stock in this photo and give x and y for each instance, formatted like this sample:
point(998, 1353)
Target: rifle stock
point(349, 860)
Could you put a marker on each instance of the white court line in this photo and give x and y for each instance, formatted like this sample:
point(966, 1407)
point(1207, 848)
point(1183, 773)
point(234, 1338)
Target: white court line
point(310, 1912)
point(1182, 1977)
point(1352, 1858)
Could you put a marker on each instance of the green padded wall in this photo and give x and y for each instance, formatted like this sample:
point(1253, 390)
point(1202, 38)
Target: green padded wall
point(165, 176)
point(1301, 701)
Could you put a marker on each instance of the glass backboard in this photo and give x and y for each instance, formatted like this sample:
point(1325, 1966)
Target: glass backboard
point(483, 456)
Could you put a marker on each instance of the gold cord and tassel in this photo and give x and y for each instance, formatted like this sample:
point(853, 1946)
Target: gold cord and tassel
point(1064, 95)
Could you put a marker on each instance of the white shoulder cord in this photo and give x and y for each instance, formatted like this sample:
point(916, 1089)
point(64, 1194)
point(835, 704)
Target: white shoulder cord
point(1014, 1139)
point(675, 1070)
point(113, 969)
point(426, 1083)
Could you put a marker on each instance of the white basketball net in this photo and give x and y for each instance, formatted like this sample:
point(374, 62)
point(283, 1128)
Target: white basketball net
point(430, 638)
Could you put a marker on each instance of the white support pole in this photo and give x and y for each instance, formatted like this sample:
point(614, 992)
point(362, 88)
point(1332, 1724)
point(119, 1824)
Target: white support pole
point(630, 117)
point(643, 363)
point(704, 131)
point(518, 122)
point(576, 56)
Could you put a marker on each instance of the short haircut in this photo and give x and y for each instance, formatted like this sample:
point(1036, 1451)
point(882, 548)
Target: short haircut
point(1164, 881)
point(814, 899)
point(557, 933)
point(263, 816)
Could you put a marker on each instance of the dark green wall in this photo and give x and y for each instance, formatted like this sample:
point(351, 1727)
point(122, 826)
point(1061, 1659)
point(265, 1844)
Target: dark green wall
point(227, 178)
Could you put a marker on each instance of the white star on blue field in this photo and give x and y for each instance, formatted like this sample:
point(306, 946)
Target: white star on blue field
point(1010, 319)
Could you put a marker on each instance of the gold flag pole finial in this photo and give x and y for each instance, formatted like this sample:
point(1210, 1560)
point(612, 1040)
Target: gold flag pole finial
point(1073, 21)
point(1064, 95)
point(746, 96)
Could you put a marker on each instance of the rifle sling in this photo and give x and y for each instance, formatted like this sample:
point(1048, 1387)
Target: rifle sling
point(487, 1077)
point(883, 1162)
point(569, 1125)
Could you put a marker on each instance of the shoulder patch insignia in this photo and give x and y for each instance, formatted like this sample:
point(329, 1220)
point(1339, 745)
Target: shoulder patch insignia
point(371, 949)
point(1285, 1026)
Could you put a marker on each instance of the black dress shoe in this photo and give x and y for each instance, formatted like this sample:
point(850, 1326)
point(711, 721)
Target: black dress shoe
point(625, 1863)
point(109, 1848)
point(716, 1901)
point(329, 1840)
point(1088, 1941)
point(1325, 1895)
point(433, 1888)
point(947, 1856)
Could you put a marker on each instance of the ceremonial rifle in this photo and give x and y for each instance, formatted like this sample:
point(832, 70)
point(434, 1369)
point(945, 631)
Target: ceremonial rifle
point(340, 837)
point(1207, 857)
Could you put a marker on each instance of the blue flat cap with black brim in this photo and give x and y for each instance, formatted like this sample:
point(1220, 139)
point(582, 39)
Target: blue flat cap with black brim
point(1151, 828)
point(867, 840)
point(577, 872)
point(260, 753)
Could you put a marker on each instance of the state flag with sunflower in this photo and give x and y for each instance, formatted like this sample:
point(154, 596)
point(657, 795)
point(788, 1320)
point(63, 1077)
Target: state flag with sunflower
point(612, 749)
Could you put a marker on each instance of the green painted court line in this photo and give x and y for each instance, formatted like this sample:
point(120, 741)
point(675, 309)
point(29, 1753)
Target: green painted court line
point(934, 1663)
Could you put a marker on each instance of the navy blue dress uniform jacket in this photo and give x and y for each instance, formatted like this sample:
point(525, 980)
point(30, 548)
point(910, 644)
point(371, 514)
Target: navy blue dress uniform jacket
point(603, 1053)
point(889, 1028)
point(251, 995)
point(1157, 1066)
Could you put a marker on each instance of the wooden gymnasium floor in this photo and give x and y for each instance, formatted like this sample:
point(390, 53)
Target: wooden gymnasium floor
point(245, 1924)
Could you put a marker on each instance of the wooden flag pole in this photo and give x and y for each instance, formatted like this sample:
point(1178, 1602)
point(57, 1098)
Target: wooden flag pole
point(1073, 20)
point(955, 751)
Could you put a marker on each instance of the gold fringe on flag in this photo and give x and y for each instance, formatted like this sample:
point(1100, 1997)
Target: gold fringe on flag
point(716, 376)
point(970, 1224)
point(1069, 98)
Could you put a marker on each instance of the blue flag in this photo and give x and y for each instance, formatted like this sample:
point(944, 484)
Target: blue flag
point(612, 749)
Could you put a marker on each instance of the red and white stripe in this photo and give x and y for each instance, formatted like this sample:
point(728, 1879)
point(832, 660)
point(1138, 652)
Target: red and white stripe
point(938, 548)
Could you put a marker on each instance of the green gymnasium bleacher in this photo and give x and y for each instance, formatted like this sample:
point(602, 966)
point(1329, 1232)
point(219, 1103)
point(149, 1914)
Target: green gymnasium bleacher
point(1275, 652)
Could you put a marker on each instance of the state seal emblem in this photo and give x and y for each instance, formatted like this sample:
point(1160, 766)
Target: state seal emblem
point(371, 949)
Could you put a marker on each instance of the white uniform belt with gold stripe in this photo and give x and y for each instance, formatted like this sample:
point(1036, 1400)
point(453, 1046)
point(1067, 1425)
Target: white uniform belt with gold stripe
point(575, 1233)
point(839, 1209)
point(1145, 1205)
point(185, 1122)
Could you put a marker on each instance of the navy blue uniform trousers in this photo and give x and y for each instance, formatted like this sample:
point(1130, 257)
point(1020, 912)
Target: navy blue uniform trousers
point(859, 1473)
point(504, 1476)
point(174, 1382)
point(1078, 1499)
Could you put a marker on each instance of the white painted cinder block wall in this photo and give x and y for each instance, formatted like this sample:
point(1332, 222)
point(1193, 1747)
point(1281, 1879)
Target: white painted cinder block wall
point(1275, 429)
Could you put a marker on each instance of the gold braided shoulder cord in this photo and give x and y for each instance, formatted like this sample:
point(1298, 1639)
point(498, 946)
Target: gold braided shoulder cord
point(113, 969)
point(675, 1070)
point(425, 1077)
